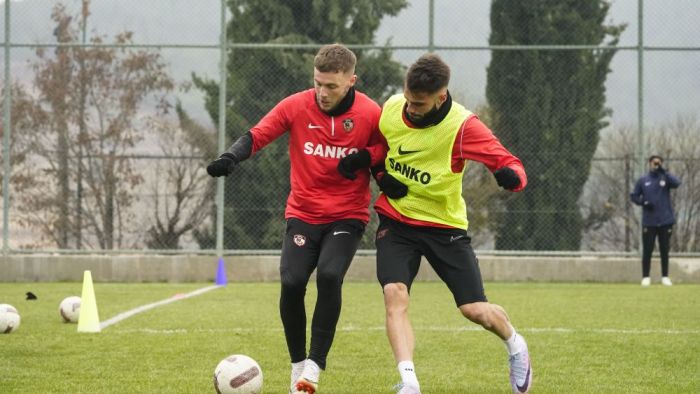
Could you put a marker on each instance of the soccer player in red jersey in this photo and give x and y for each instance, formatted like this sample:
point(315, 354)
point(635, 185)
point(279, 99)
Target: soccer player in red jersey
point(328, 204)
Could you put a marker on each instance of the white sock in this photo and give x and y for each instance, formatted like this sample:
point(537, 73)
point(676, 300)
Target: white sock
point(312, 371)
point(408, 373)
point(514, 344)
point(297, 369)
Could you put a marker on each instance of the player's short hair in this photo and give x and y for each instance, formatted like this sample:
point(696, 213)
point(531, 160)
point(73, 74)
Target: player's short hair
point(335, 58)
point(652, 157)
point(428, 74)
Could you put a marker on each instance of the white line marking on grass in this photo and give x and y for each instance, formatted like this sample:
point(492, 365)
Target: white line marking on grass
point(572, 330)
point(419, 328)
point(177, 297)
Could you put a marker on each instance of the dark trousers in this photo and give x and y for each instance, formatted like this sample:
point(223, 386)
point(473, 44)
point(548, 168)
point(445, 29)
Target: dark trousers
point(649, 234)
point(328, 249)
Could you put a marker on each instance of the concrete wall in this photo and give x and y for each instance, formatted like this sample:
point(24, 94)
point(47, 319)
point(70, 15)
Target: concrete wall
point(197, 268)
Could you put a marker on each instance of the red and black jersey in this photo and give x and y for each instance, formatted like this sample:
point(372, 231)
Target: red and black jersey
point(317, 142)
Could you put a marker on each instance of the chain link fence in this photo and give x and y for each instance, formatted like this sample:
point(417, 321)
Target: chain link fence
point(112, 109)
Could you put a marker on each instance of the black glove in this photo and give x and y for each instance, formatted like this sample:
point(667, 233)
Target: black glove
point(507, 178)
point(353, 162)
point(392, 187)
point(648, 205)
point(660, 170)
point(222, 166)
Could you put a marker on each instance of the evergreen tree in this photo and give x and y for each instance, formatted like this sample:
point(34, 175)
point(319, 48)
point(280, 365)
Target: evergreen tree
point(548, 108)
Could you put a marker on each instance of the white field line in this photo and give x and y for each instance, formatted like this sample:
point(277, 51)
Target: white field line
point(177, 297)
point(561, 330)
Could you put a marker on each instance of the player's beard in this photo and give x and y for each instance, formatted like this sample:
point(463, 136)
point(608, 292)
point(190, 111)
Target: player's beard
point(419, 118)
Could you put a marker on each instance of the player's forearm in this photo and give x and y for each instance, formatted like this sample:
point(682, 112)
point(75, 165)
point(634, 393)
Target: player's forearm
point(242, 148)
point(377, 154)
point(377, 148)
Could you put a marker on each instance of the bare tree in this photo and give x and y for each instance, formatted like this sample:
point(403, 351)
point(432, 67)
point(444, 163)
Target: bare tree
point(183, 194)
point(21, 176)
point(609, 219)
point(678, 142)
point(86, 124)
point(612, 222)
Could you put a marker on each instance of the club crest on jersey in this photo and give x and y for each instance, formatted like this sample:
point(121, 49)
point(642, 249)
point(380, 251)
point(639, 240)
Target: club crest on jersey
point(299, 239)
point(348, 124)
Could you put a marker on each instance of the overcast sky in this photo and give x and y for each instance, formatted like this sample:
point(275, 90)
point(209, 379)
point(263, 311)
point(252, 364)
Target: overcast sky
point(672, 79)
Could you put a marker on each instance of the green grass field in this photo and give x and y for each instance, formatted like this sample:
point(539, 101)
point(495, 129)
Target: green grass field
point(583, 338)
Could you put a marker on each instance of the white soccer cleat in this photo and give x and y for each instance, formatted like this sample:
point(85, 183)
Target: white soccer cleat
point(520, 371)
point(646, 281)
point(666, 281)
point(294, 376)
point(403, 388)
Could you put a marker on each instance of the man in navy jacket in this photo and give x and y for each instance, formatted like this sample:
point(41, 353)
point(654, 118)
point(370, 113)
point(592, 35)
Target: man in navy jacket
point(653, 193)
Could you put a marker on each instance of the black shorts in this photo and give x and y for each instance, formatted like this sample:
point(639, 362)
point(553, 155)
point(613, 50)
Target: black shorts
point(328, 247)
point(448, 250)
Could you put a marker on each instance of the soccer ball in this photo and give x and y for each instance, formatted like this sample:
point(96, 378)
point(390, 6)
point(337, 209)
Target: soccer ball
point(70, 309)
point(9, 319)
point(238, 374)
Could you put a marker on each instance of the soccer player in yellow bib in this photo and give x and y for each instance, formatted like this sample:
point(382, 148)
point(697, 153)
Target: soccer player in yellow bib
point(422, 213)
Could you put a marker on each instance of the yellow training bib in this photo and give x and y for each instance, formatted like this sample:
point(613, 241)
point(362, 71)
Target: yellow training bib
point(422, 160)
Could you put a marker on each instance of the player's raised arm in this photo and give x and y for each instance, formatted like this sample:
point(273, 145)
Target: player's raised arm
point(478, 143)
point(271, 126)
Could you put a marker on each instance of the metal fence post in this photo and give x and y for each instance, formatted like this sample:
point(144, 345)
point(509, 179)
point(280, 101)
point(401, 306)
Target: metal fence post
point(222, 132)
point(640, 100)
point(628, 203)
point(6, 137)
point(431, 26)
